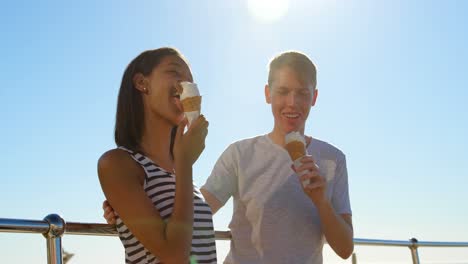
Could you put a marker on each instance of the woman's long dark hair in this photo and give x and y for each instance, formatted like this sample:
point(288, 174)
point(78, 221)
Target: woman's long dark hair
point(130, 113)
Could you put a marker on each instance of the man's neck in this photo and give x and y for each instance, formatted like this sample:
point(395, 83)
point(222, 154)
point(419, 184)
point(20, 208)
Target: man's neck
point(277, 138)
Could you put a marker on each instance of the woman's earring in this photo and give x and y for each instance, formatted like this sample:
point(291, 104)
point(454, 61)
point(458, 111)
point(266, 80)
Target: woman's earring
point(145, 90)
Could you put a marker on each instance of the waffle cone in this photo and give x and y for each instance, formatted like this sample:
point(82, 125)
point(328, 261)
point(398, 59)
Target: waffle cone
point(191, 104)
point(295, 149)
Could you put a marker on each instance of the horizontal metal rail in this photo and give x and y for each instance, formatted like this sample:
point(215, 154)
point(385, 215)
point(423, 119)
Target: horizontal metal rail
point(23, 226)
point(53, 227)
point(406, 243)
point(75, 228)
point(72, 228)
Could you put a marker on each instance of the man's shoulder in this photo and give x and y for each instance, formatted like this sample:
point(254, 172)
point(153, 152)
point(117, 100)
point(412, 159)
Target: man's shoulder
point(326, 148)
point(249, 141)
point(246, 145)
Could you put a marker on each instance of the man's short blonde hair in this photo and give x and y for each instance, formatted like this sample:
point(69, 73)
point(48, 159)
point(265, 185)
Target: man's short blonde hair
point(298, 62)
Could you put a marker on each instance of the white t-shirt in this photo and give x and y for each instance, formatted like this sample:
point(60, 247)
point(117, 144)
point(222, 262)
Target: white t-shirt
point(274, 221)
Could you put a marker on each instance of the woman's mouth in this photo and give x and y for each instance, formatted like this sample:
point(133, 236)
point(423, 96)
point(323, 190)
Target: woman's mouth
point(176, 99)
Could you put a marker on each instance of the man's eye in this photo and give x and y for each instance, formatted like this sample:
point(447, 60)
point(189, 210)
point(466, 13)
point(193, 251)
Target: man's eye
point(305, 92)
point(282, 92)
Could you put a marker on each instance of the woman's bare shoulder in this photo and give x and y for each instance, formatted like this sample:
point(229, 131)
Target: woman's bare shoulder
point(117, 162)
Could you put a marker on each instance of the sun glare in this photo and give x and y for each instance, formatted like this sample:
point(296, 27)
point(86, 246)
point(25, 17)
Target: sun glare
point(268, 10)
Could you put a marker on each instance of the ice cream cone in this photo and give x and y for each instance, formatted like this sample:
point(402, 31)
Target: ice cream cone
point(296, 147)
point(191, 104)
point(191, 101)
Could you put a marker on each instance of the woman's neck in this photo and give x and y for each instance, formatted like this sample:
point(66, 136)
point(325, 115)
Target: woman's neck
point(156, 142)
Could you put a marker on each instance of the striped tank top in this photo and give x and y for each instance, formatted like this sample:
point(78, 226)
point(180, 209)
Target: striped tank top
point(159, 185)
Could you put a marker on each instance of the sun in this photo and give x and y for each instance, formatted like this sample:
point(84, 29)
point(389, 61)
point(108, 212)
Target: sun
point(268, 10)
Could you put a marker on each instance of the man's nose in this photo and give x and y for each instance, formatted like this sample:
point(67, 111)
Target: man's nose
point(291, 99)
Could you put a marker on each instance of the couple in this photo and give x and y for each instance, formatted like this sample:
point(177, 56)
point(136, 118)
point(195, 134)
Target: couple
point(162, 218)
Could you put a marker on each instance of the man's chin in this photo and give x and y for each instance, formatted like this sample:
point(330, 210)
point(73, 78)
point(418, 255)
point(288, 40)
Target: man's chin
point(289, 129)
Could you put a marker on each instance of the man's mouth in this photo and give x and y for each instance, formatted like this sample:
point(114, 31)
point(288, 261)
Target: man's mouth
point(291, 115)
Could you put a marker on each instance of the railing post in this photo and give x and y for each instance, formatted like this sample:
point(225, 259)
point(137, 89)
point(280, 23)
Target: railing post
point(414, 250)
point(54, 238)
point(354, 259)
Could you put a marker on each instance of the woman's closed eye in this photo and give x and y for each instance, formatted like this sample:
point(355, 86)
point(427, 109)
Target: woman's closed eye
point(174, 73)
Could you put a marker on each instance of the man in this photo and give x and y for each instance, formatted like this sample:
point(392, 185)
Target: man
point(276, 219)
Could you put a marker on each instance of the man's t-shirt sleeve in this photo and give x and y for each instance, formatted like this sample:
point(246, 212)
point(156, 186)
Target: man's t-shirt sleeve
point(340, 198)
point(222, 183)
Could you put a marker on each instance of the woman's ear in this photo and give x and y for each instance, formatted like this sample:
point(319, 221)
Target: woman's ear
point(267, 94)
point(140, 83)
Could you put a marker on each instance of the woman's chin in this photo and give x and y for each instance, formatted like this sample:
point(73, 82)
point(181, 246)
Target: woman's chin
point(179, 119)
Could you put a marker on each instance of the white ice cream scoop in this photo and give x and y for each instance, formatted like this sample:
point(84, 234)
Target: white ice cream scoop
point(294, 136)
point(189, 90)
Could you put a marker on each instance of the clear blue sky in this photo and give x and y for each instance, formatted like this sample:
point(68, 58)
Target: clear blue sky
point(393, 91)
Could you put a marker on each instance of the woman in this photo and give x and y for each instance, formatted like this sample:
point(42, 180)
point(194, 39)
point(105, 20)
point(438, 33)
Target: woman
point(161, 216)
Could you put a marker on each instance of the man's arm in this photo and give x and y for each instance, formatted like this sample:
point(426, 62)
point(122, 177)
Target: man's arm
point(337, 229)
point(222, 182)
point(212, 201)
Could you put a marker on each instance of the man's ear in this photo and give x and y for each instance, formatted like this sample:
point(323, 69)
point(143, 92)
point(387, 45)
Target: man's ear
point(267, 94)
point(140, 83)
point(314, 98)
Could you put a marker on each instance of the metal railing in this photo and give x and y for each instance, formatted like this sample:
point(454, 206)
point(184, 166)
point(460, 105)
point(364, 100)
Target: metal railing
point(53, 227)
